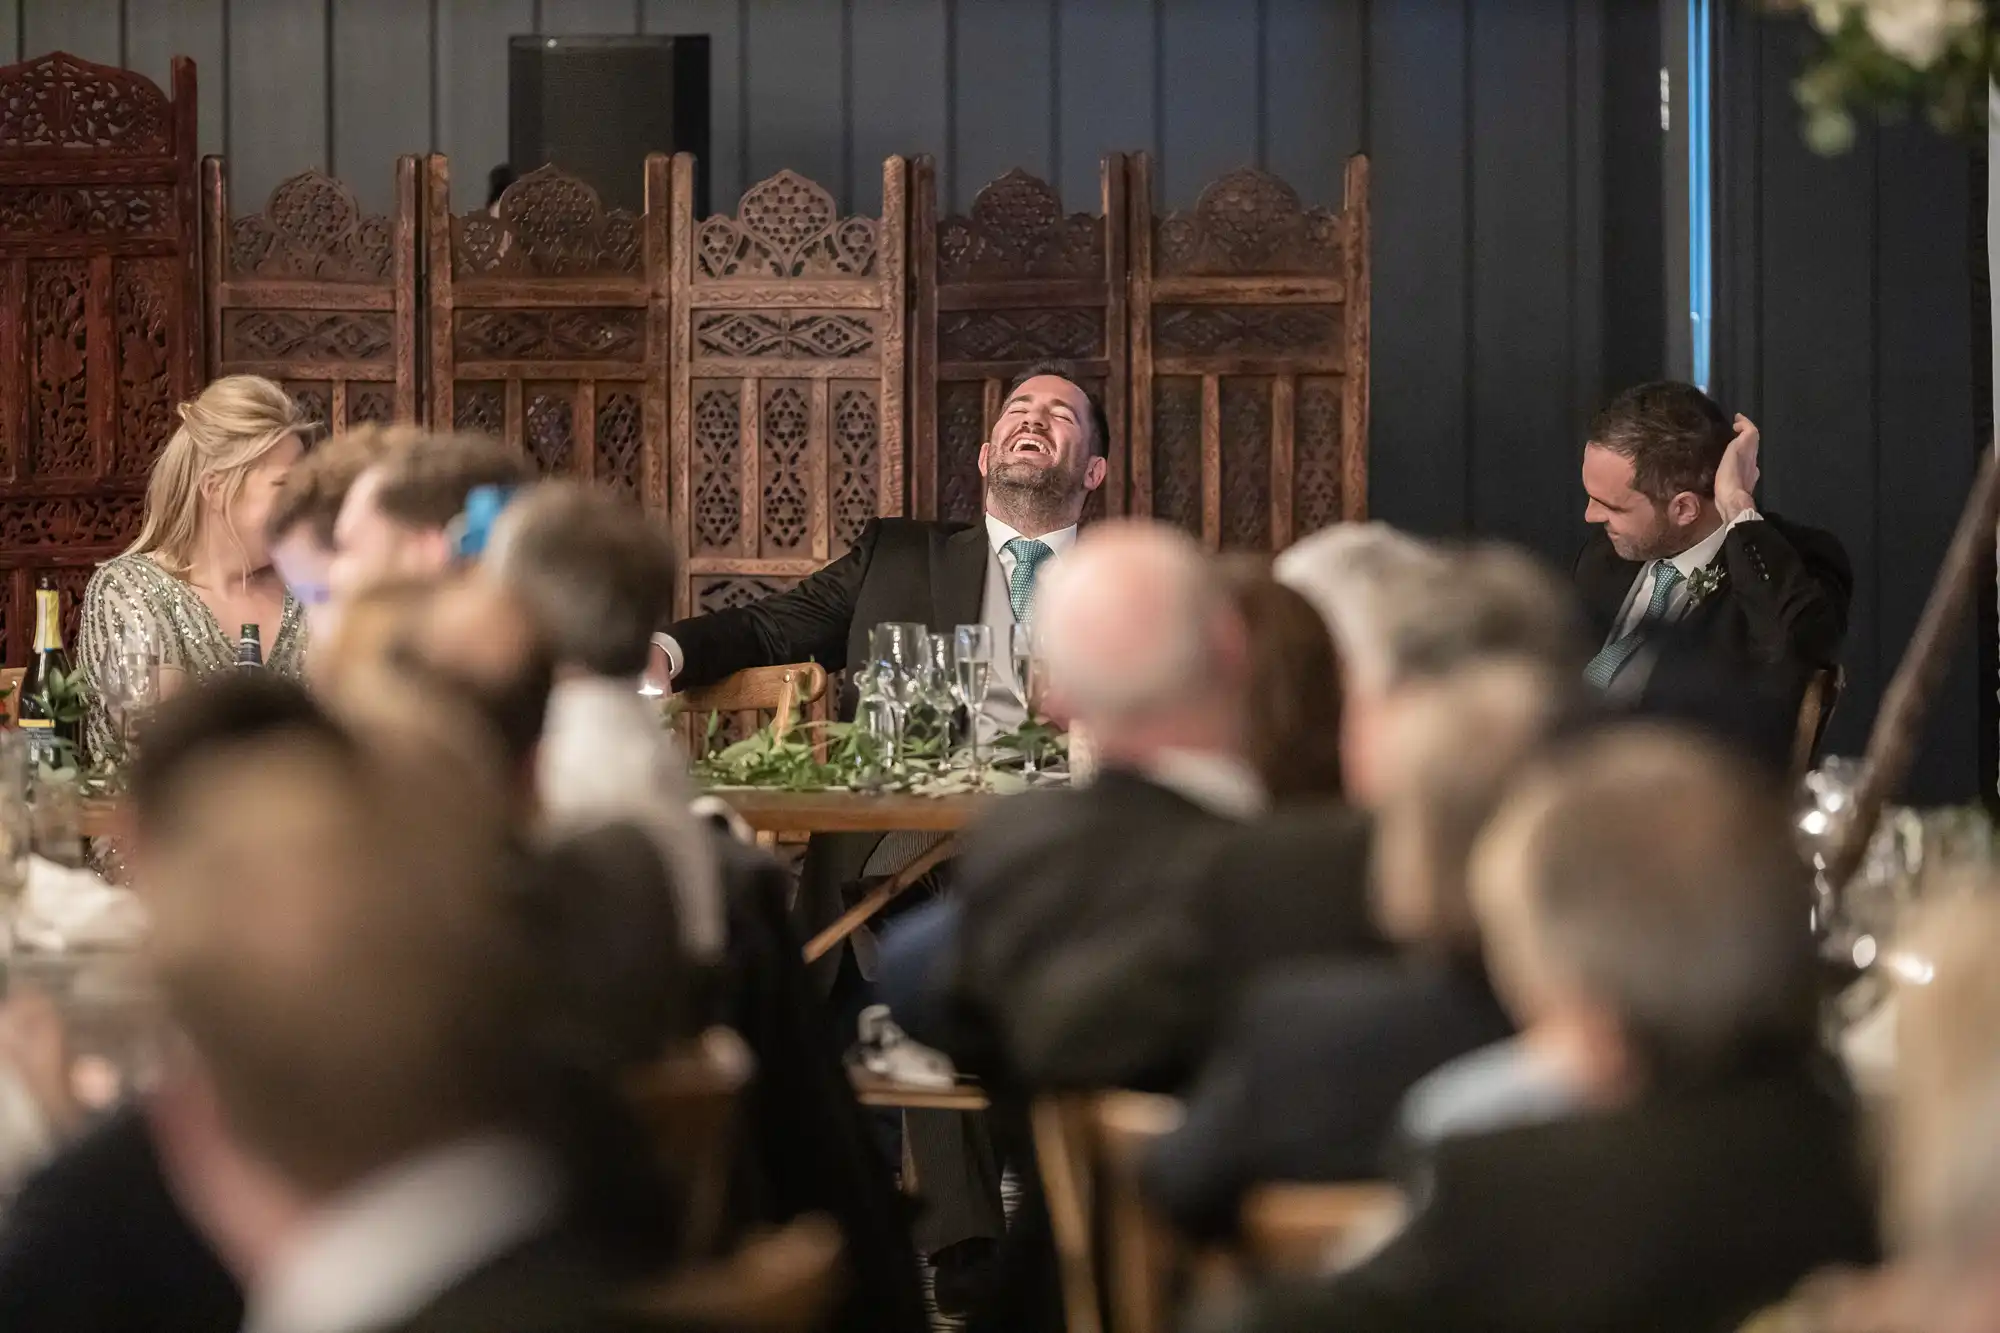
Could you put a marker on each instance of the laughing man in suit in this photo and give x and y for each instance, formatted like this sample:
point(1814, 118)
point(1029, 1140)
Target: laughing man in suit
point(1681, 552)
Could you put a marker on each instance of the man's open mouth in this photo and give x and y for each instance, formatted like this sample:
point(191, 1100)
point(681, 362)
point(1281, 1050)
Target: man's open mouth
point(1029, 443)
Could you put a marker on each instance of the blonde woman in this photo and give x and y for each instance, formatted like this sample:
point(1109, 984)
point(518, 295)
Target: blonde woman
point(200, 569)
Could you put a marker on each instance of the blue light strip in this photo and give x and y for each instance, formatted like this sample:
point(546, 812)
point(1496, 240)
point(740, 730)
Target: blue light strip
point(1701, 277)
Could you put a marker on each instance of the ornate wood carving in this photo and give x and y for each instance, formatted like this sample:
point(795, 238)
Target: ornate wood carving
point(315, 293)
point(99, 327)
point(1249, 344)
point(1014, 281)
point(788, 379)
point(548, 326)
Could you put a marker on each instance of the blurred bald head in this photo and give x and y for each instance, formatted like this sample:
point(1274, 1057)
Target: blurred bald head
point(1141, 641)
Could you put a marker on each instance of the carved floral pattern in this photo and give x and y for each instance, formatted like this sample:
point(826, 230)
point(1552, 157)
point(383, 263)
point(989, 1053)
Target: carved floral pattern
point(731, 591)
point(65, 211)
point(1248, 222)
point(1020, 335)
point(785, 227)
point(1225, 330)
point(781, 333)
point(67, 523)
point(620, 441)
point(481, 408)
point(1316, 456)
point(60, 441)
point(370, 405)
point(1246, 464)
point(1016, 229)
point(312, 228)
point(307, 335)
point(557, 335)
point(315, 401)
point(550, 224)
point(1177, 452)
point(60, 101)
point(787, 490)
point(550, 422)
point(718, 519)
point(961, 432)
point(855, 443)
point(142, 298)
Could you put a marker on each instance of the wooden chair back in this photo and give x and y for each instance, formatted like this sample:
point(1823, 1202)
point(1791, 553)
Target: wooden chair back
point(688, 1102)
point(1296, 1228)
point(1061, 1128)
point(10, 681)
point(785, 1281)
point(1822, 695)
point(782, 691)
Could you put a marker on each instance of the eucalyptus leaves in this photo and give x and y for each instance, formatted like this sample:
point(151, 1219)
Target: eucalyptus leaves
point(856, 761)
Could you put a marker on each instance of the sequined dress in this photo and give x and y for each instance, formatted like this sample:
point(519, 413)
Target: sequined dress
point(134, 589)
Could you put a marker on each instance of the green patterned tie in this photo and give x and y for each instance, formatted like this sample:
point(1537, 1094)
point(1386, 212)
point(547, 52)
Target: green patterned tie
point(1611, 658)
point(1028, 556)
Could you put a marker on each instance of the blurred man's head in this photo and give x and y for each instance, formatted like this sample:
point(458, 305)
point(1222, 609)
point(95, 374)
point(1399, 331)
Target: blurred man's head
point(476, 640)
point(1292, 722)
point(334, 935)
point(1141, 643)
point(395, 517)
point(1453, 747)
point(1046, 452)
point(299, 531)
point(1644, 908)
point(597, 576)
point(1649, 469)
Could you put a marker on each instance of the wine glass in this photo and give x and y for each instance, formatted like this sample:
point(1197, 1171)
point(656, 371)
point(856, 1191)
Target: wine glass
point(128, 680)
point(972, 668)
point(896, 654)
point(1021, 648)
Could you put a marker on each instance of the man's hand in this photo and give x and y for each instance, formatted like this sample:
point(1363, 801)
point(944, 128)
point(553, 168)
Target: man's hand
point(1736, 478)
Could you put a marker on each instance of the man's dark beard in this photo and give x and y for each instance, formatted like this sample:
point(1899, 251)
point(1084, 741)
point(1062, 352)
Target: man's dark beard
point(1044, 498)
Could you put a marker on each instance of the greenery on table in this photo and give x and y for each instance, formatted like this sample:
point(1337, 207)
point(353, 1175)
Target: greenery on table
point(1888, 57)
point(855, 760)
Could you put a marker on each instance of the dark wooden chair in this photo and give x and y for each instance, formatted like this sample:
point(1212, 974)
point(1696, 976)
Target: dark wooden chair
point(1816, 707)
point(1298, 1228)
point(784, 1281)
point(688, 1102)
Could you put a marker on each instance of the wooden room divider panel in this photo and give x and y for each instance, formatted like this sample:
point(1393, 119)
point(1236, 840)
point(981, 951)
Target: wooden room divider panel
point(788, 370)
point(317, 295)
point(1012, 282)
point(99, 335)
point(1249, 344)
point(548, 325)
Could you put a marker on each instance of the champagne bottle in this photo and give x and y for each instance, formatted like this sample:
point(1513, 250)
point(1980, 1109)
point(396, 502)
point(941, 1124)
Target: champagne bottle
point(250, 648)
point(46, 678)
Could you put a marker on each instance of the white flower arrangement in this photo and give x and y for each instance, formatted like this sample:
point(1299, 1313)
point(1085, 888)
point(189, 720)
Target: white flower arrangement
point(1887, 56)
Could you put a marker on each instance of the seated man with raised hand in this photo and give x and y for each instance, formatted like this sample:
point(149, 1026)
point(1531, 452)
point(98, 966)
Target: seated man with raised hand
point(597, 577)
point(1306, 1084)
point(1665, 1146)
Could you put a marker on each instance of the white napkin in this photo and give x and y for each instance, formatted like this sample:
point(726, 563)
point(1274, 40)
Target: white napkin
point(65, 909)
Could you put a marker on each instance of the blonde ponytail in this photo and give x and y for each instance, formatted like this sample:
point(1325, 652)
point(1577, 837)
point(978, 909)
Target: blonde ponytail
point(223, 434)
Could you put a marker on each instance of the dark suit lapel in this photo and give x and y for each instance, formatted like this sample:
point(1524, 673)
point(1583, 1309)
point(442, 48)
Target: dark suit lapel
point(1603, 581)
point(958, 577)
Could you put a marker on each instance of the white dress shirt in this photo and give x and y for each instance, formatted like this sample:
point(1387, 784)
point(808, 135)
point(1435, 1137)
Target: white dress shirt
point(1219, 783)
point(1687, 562)
point(393, 1244)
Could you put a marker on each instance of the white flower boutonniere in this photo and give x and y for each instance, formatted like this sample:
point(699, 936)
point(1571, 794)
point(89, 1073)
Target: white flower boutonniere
point(1704, 582)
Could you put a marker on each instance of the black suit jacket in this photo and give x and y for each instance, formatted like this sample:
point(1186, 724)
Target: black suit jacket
point(551, 1284)
point(1683, 1214)
point(1779, 615)
point(1109, 929)
point(898, 569)
point(1308, 1081)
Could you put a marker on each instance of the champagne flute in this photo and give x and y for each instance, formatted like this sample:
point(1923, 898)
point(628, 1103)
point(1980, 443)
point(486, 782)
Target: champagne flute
point(1021, 646)
point(972, 663)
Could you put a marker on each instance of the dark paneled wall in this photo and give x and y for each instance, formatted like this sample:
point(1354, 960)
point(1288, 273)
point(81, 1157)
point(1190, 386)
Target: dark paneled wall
point(1844, 326)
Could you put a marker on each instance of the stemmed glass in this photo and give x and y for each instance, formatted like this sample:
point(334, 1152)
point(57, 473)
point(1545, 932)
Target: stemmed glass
point(972, 668)
point(896, 655)
point(128, 681)
point(1021, 648)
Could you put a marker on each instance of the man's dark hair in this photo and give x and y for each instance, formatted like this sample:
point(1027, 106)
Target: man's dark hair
point(425, 483)
point(313, 491)
point(220, 712)
point(597, 577)
point(1100, 425)
point(1674, 434)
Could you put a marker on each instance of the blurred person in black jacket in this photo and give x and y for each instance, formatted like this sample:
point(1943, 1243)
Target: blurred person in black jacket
point(1664, 1147)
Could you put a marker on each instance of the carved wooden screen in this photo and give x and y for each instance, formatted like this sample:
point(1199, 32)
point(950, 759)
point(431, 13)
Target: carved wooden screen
point(317, 295)
point(1250, 359)
point(1013, 282)
point(548, 326)
point(788, 363)
point(99, 335)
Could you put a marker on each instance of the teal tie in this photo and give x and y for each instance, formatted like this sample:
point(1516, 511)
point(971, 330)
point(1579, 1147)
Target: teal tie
point(1611, 658)
point(1028, 556)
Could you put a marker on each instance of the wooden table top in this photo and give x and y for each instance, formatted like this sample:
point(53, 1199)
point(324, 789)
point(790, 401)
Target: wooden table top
point(770, 811)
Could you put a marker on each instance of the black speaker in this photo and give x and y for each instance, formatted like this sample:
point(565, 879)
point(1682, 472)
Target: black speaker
point(595, 106)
